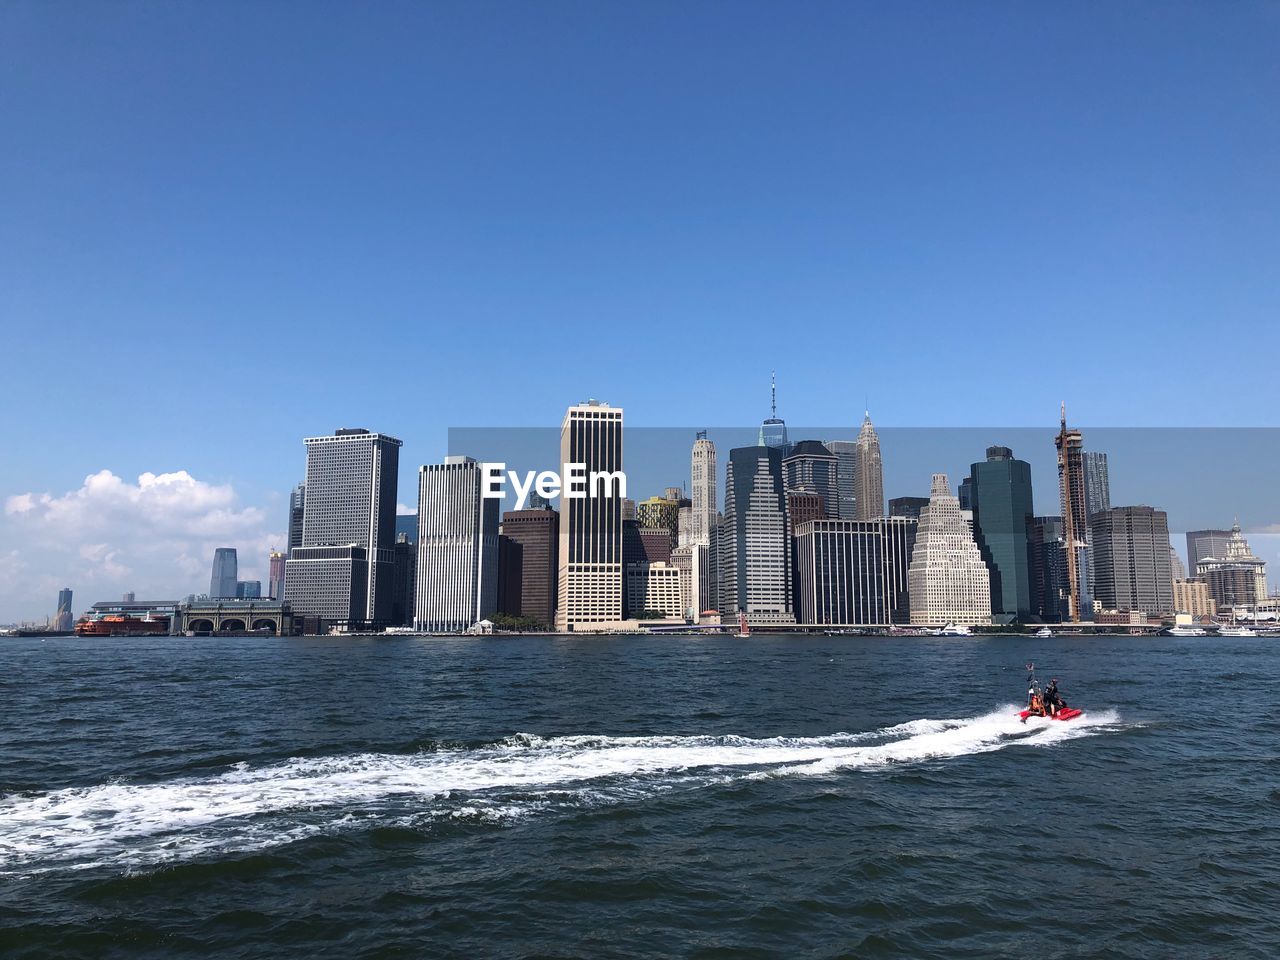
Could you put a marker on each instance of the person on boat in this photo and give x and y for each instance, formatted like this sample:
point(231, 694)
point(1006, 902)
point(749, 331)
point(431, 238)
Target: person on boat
point(1053, 699)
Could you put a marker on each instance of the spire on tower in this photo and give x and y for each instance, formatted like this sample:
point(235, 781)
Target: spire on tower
point(773, 393)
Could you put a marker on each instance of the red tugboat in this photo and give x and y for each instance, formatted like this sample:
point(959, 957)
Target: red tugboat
point(1047, 702)
point(120, 625)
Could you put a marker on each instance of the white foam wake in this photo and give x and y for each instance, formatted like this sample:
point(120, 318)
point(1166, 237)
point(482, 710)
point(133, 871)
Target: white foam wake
point(248, 808)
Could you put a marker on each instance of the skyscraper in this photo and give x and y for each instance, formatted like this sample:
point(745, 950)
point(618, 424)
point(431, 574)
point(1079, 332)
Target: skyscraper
point(535, 534)
point(275, 574)
point(1002, 515)
point(773, 431)
point(845, 453)
point(948, 581)
point(589, 569)
point(842, 572)
point(297, 507)
point(1235, 575)
point(404, 577)
point(809, 467)
point(1049, 591)
point(64, 620)
point(457, 547)
point(1131, 560)
point(1075, 517)
point(1097, 482)
point(868, 473)
point(703, 529)
point(348, 529)
point(755, 554)
point(1202, 544)
point(222, 585)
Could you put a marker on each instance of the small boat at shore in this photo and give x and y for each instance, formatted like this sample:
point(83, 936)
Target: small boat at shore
point(1044, 633)
point(954, 630)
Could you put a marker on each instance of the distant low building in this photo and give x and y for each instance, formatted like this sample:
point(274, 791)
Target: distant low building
point(654, 587)
point(1192, 597)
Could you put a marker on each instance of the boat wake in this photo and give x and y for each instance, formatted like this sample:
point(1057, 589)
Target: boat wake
point(141, 825)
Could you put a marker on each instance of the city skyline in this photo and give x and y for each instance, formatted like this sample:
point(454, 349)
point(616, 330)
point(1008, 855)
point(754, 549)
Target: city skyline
point(911, 451)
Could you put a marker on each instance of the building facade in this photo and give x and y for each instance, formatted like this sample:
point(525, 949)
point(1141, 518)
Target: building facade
point(226, 574)
point(349, 502)
point(64, 619)
point(535, 534)
point(327, 586)
point(907, 507)
point(868, 473)
point(655, 588)
point(1097, 482)
point(704, 530)
point(1049, 589)
point(1131, 560)
point(1192, 597)
point(844, 451)
point(948, 581)
point(1002, 516)
point(1235, 576)
point(1075, 518)
point(811, 468)
point(755, 554)
point(1202, 544)
point(297, 509)
point(457, 547)
point(589, 566)
point(404, 579)
point(843, 571)
point(275, 574)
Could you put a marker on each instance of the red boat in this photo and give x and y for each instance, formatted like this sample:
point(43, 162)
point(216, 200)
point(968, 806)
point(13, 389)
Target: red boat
point(1067, 713)
point(1039, 702)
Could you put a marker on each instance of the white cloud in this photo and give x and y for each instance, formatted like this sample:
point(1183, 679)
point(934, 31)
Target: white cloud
point(155, 536)
point(405, 511)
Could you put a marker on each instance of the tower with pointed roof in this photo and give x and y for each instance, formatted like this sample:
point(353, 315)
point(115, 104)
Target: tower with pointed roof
point(868, 473)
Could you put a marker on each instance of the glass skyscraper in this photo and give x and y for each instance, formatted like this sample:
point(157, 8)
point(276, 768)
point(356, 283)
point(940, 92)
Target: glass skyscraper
point(226, 573)
point(1000, 491)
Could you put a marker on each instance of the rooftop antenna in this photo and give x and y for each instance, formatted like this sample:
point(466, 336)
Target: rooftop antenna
point(773, 394)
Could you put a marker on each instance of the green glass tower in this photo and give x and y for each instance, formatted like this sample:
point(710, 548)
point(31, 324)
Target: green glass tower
point(1002, 521)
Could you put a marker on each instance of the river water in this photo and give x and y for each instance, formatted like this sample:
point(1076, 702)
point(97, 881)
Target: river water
point(637, 797)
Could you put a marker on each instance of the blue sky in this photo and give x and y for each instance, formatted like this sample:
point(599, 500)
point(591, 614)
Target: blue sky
point(228, 226)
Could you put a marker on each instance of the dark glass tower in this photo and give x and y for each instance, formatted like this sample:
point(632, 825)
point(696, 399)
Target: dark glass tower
point(226, 573)
point(1000, 488)
point(811, 468)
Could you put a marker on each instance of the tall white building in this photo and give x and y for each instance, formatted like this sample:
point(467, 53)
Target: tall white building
point(947, 580)
point(703, 530)
point(868, 473)
point(590, 564)
point(457, 578)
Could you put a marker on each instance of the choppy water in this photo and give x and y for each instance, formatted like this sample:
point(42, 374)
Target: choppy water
point(814, 797)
